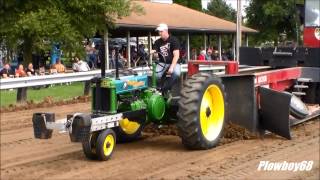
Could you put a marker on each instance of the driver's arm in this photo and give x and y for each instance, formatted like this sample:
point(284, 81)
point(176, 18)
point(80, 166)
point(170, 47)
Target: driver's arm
point(176, 54)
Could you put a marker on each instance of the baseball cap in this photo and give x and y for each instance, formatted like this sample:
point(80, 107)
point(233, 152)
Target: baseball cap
point(162, 27)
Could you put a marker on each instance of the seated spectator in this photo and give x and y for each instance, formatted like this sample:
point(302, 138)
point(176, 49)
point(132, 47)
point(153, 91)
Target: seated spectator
point(20, 72)
point(209, 54)
point(42, 71)
point(215, 55)
point(224, 56)
point(80, 66)
point(5, 71)
point(202, 55)
point(59, 67)
point(30, 71)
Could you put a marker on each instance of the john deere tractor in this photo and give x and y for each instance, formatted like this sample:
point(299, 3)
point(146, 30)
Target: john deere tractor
point(123, 106)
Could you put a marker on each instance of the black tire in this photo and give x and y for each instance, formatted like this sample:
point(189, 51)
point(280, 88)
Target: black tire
point(189, 123)
point(102, 140)
point(297, 108)
point(123, 137)
point(89, 146)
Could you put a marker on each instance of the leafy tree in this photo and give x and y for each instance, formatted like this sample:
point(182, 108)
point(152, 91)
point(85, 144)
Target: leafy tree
point(193, 4)
point(273, 18)
point(37, 24)
point(221, 9)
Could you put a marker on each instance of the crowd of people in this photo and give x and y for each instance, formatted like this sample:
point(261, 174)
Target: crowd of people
point(20, 71)
point(94, 55)
point(210, 54)
point(8, 72)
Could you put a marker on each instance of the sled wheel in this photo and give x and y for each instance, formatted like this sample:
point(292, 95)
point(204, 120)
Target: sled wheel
point(105, 144)
point(201, 114)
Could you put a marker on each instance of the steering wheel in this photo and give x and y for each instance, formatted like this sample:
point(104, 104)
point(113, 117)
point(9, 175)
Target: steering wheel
point(157, 61)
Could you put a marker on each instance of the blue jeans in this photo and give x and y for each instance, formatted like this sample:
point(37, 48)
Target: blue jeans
point(167, 85)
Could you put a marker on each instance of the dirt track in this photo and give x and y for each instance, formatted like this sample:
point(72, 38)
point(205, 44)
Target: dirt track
point(153, 157)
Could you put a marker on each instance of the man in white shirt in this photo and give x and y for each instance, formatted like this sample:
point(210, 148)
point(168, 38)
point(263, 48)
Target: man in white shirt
point(80, 66)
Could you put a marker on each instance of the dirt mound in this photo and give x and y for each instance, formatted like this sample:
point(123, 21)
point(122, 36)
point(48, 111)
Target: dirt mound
point(232, 132)
point(47, 102)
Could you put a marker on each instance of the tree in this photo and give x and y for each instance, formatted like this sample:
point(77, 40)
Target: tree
point(193, 4)
point(37, 24)
point(273, 18)
point(221, 9)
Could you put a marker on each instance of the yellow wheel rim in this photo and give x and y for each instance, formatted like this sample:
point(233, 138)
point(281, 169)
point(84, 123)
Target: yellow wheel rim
point(129, 127)
point(108, 144)
point(212, 112)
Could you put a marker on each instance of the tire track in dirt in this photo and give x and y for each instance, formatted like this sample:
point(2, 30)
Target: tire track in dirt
point(157, 157)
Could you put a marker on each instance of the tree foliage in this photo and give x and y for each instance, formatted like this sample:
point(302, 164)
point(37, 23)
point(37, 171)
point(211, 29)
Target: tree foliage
point(37, 24)
point(272, 18)
point(193, 4)
point(221, 9)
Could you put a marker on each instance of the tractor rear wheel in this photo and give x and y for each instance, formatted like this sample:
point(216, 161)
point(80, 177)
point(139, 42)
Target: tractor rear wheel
point(201, 115)
point(128, 130)
point(89, 146)
point(105, 144)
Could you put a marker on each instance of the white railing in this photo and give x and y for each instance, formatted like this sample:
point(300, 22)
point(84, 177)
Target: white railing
point(12, 83)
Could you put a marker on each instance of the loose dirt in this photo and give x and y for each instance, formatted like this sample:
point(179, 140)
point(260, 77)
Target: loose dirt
point(159, 154)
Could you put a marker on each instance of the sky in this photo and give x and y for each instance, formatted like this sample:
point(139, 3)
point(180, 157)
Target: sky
point(233, 3)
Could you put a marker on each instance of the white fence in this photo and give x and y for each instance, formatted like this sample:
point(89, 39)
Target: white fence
point(12, 83)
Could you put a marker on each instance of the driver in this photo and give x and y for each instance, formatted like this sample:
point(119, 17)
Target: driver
point(168, 47)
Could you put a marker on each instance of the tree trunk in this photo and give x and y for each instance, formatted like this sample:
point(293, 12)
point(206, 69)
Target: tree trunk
point(275, 42)
point(86, 88)
point(27, 51)
point(22, 95)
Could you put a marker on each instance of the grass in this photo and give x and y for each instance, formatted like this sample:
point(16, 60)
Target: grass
point(58, 92)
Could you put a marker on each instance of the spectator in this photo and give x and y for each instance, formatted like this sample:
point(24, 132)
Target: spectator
point(30, 71)
point(59, 67)
point(80, 66)
point(193, 54)
point(91, 56)
point(202, 55)
point(215, 55)
point(112, 59)
point(1, 63)
point(20, 72)
point(5, 72)
point(141, 52)
point(209, 54)
point(224, 56)
point(42, 71)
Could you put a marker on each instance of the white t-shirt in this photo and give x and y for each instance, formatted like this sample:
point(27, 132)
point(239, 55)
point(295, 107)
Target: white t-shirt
point(80, 66)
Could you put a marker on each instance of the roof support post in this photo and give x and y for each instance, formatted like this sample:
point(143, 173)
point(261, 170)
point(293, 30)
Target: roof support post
point(238, 28)
point(188, 47)
point(219, 45)
point(149, 47)
point(205, 41)
point(106, 49)
point(137, 42)
point(233, 46)
point(128, 50)
point(247, 40)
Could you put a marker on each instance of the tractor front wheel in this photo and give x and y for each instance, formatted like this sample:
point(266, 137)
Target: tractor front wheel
point(128, 130)
point(89, 146)
point(201, 111)
point(105, 144)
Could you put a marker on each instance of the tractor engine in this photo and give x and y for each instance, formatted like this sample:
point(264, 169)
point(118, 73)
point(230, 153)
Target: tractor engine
point(127, 94)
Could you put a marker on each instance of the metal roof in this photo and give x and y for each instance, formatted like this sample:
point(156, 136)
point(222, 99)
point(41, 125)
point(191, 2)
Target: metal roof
point(177, 17)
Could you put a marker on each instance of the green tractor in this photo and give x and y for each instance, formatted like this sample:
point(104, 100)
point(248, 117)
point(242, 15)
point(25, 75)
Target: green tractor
point(123, 106)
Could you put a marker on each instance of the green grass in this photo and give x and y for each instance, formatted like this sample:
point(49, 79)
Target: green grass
point(58, 92)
